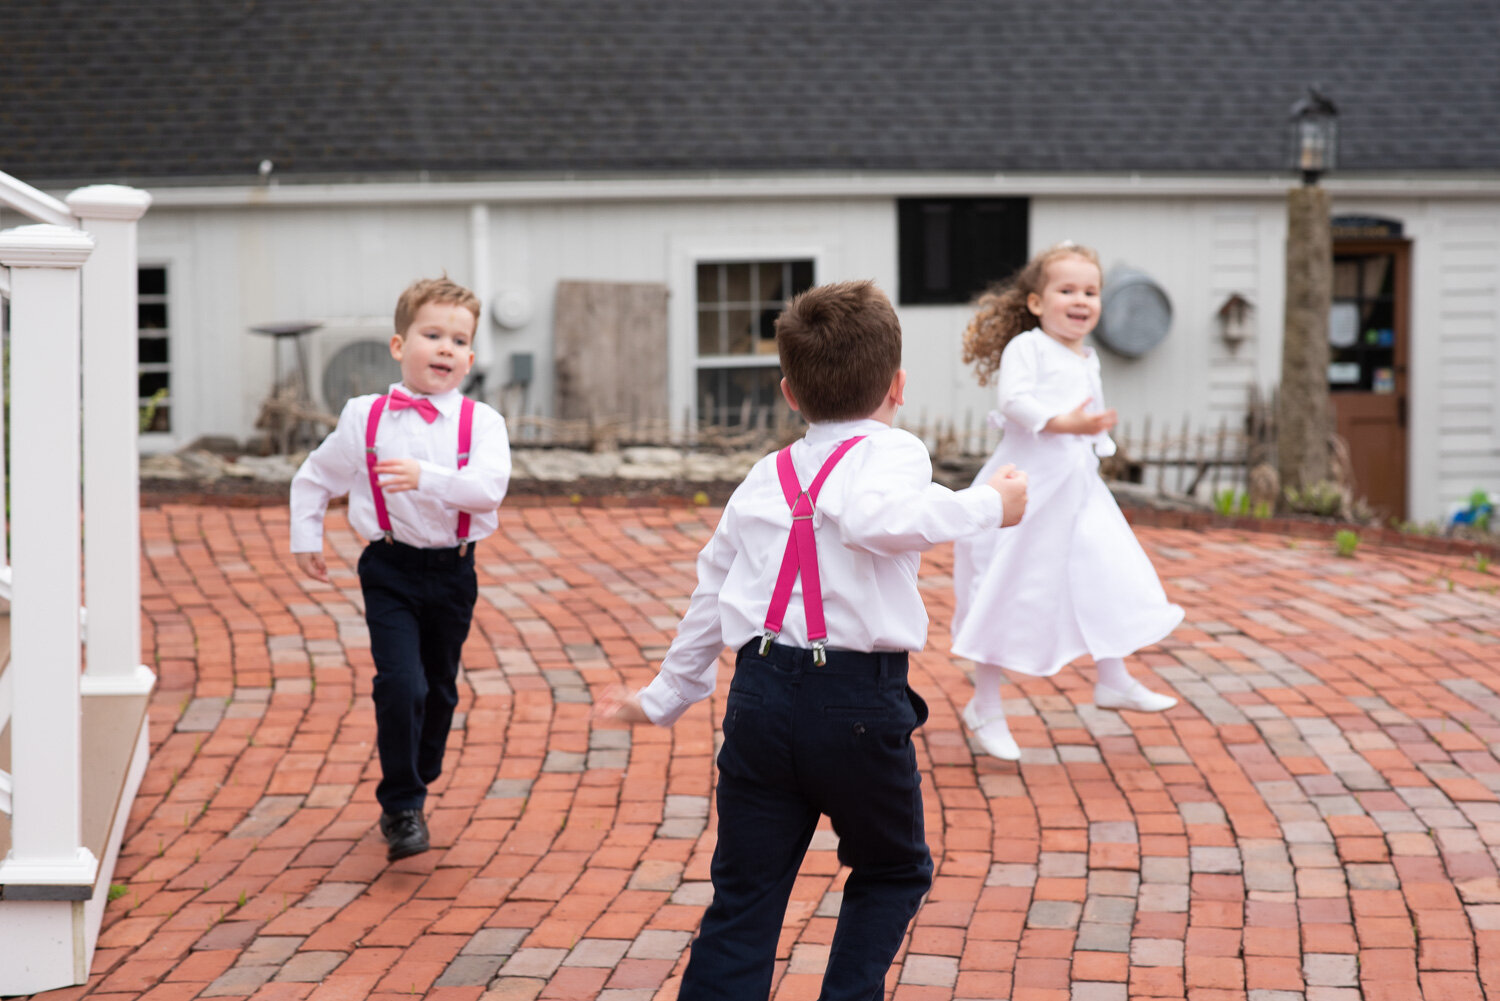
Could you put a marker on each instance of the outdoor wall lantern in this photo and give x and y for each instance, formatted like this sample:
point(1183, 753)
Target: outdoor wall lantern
point(1315, 135)
point(1234, 320)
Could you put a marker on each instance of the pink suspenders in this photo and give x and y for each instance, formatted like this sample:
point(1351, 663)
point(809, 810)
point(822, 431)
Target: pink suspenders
point(465, 437)
point(801, 553)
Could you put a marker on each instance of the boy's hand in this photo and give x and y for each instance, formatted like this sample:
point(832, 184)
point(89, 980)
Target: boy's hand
point(1079, 421)
point(397, 475)
point(1010, 483)
point(312, 564)
point(619, 704)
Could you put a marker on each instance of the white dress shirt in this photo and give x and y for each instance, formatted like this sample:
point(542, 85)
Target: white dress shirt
point(878, 510)
point(426, 517)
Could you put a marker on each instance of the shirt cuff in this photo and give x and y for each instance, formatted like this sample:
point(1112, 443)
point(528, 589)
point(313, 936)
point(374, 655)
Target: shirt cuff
point(1029, 414)
point(983, 504)
point(661, 703)
point(434, 479)
point(307, 538)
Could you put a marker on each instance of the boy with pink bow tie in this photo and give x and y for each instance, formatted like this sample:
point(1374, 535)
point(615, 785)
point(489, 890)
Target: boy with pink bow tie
point(425, 469)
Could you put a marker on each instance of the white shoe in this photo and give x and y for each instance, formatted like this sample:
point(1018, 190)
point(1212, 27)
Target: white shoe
point(993, 733)
point(1140, 698)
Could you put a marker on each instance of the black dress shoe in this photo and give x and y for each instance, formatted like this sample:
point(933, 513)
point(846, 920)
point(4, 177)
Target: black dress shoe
point(405, 834)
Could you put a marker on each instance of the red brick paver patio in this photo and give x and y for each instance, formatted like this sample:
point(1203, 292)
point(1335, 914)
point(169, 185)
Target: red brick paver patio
point(1317, 821)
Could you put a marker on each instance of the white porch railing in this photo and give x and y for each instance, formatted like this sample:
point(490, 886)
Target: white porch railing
point(111, 455)
point(70, 280)
point(46, 740)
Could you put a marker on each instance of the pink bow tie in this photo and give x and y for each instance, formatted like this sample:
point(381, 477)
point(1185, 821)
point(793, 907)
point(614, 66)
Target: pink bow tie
point(423, 406)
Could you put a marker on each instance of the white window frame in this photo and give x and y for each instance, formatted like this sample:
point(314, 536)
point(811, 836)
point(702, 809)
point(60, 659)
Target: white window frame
point(686, 253)
point(181, 394)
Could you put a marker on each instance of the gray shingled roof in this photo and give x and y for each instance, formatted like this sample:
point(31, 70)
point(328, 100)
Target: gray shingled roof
point(190, 89)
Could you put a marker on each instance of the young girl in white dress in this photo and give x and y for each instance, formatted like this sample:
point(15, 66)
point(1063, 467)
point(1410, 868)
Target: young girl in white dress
point(1070, 579)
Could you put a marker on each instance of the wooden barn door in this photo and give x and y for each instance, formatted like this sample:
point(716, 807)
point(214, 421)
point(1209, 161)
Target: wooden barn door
point(1368, 369)
point(610, 340)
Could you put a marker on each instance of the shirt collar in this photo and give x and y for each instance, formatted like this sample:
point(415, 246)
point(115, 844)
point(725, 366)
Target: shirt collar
point(1089, 354)
point(827, 432)
point(447, 403)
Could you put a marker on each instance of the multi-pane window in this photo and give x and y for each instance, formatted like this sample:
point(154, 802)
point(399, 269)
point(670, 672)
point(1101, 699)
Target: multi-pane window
point(952, 248)
point(154, 351)
point(738, 374)
point(1362, 324)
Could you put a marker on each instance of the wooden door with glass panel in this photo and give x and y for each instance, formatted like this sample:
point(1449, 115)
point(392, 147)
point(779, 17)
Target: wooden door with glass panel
point(1367, 370)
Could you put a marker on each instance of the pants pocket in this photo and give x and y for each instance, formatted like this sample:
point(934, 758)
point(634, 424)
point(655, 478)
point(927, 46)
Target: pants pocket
point(918, 705)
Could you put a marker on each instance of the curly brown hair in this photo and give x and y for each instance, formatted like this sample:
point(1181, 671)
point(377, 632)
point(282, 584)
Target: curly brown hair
point(1000, 312)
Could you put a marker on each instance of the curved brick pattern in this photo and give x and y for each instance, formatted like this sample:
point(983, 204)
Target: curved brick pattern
point(1317, 821)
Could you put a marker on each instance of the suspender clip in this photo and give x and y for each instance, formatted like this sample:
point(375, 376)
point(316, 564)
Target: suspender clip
point(389, 537)
point(766, 639)
point(820, 656)
point(463, 548)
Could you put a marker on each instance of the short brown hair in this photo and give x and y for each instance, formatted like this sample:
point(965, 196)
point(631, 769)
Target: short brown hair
point(424, 290)
point(840, 348)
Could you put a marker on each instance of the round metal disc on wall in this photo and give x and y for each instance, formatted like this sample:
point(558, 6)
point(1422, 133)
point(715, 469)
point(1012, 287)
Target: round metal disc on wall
point(1135, 314)
point(511, 307)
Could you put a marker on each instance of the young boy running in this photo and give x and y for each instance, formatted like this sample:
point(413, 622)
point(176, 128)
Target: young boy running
point(424, 468)
point(812, 576)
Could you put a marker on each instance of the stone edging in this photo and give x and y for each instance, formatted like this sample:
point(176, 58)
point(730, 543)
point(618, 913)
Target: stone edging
point(1309, 528)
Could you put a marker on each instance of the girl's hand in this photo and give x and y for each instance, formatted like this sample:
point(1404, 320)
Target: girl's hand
point(618, 704)
point(312, 564)
point(1080, 421)
point(1010, 483)
point(397, 475)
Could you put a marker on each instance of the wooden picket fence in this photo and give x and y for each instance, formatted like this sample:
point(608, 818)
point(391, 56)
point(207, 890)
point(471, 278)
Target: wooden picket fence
point(1175, 458)
point(764, 428)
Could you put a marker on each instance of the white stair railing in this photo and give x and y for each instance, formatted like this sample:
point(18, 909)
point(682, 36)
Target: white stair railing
point(40, 207)
point(71, 285)
point(46, 546)
point(111, 458)
point(33, 203)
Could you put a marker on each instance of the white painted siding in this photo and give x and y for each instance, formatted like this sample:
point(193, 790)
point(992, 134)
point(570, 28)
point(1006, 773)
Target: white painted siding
point(233, 267)
point(1467, 307)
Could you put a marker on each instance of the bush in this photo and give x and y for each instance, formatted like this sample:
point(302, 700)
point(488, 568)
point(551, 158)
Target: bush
point(1324, 499)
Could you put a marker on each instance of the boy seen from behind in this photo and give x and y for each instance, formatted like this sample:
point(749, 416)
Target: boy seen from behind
point(811, 576)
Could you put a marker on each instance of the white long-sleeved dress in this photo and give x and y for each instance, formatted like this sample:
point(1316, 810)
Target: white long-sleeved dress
point(1070, 579)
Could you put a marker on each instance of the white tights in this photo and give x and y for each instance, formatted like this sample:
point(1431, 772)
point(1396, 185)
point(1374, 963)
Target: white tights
point(988, 678)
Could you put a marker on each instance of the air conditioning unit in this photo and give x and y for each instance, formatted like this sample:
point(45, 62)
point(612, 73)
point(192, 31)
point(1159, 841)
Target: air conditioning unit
point(349, 357)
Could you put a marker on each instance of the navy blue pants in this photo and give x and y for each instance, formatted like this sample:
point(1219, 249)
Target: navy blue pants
point(801, 741)
point(418, 605)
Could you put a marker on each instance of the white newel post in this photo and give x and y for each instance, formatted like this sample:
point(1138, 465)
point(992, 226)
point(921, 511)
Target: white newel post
point(46, 745)
point(111, 451)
